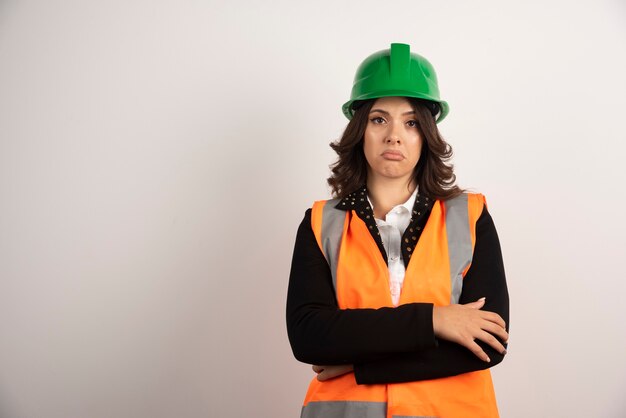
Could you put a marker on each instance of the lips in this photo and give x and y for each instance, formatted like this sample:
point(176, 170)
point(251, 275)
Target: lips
point(392, 155)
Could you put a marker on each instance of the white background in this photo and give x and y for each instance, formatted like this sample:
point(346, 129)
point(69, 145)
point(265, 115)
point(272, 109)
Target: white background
point(156, 158)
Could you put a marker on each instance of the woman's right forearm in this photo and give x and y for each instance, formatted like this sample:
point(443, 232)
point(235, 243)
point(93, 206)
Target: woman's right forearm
point(321, 333)
point(320, 336)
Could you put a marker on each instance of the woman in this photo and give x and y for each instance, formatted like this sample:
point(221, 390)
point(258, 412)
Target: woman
point(397, 293)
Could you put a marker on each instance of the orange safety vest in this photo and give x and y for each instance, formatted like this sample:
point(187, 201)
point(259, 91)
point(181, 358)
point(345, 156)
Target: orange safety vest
point(434, 274)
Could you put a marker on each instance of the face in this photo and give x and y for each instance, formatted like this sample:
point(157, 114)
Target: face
point(392, 142)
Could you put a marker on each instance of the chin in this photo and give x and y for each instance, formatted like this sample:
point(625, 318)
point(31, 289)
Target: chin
point(394, 175)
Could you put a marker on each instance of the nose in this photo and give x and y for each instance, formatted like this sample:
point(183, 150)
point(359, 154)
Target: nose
point(393, 136)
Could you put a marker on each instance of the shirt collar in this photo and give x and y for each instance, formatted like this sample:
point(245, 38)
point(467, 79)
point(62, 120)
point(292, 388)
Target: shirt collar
point(356, 200)
point(359, 200)
point(408, 205)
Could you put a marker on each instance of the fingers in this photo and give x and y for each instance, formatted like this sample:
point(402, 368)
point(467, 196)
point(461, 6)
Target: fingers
point(489, 326)
point(325, 373)
point(463, 326)
point(493, 317)
point(497, 330)
point(322, 374)
point(475, 348)
point(490, 321)
point(329, 372)
point(476, 305)
point(470, 343)
point(490, 316)
point(492, 341)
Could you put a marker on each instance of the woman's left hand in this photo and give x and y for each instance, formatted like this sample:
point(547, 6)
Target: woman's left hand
point(330, 372)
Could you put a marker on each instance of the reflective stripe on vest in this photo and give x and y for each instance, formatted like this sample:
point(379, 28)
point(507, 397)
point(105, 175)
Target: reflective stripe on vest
point(332, 227)
point(350, 409)
point(459, 243)
point(345, 409)
point(439, 261)
point(457, 229)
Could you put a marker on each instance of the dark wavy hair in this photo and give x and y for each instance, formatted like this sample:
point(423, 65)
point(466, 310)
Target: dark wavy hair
point(434, 176)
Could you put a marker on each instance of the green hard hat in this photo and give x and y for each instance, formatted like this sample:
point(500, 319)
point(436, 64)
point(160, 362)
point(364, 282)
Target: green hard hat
point(395, 72)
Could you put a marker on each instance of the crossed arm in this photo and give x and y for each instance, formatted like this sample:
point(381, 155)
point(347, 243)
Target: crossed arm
point(410, 342)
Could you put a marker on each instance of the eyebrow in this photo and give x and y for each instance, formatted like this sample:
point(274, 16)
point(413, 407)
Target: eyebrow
point(387, 113)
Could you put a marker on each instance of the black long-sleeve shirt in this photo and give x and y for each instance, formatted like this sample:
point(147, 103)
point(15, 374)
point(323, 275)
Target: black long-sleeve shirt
point(387, 345)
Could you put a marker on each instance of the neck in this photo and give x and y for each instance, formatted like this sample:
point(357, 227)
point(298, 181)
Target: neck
point(387, 193)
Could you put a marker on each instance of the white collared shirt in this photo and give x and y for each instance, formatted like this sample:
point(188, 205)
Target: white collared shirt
point(391, 230)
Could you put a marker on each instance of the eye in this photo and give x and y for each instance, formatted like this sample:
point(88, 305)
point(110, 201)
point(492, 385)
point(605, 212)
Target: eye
point(412, 123)
point(377, 120)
